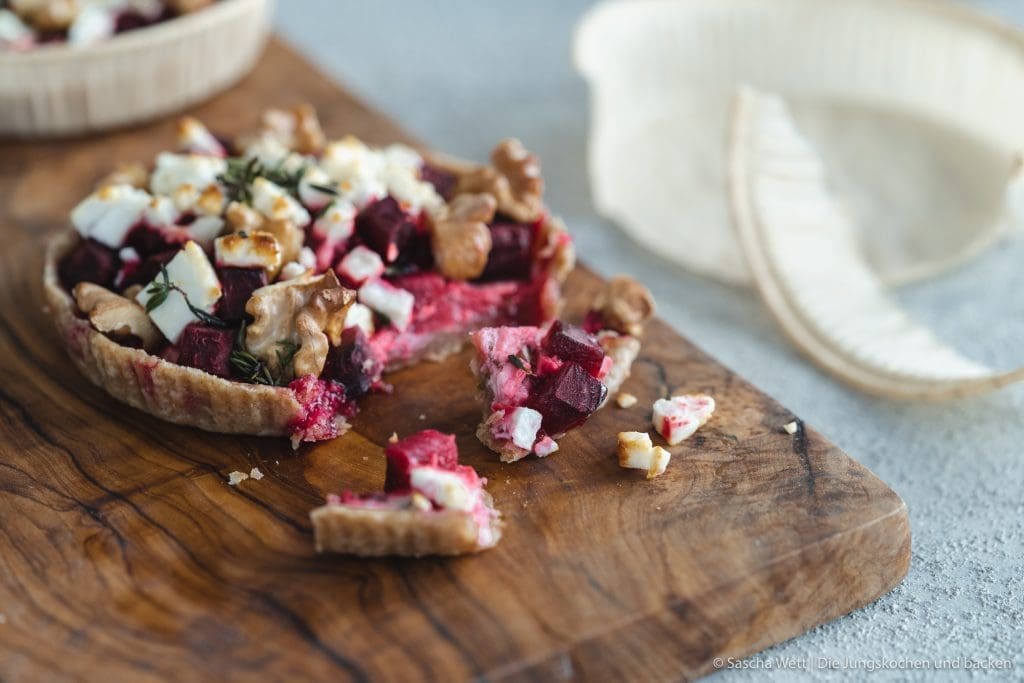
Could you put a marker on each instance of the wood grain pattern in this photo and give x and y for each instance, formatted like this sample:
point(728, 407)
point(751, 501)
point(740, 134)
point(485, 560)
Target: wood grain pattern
point(125, 556)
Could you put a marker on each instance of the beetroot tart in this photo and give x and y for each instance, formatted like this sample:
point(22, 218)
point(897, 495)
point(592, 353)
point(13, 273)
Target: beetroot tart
point(537, 383)
point(263, 285)
point(431, 505)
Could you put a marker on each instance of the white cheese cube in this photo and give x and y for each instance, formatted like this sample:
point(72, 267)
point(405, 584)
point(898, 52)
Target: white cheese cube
point(361, 264)
point(679, 417)
point(110, 213)
point(161, 212)
point(193, 277)
point(192, 172)
point(523, 425)
point(659, 462)
point(415, 195)
point(390, 301)
point(307, 257)
point(360, 316)
point(268, 149)
point(337, 222)
point(273, 202)
point(248, 250)
point(445, 488)
point(14, 33)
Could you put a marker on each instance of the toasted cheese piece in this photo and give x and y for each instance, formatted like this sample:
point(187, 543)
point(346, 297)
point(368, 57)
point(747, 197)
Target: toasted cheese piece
point(637, 452)
point(192, 276)
point(190, 180)
point(110, 213)
point(273, 202)
point(249, 250)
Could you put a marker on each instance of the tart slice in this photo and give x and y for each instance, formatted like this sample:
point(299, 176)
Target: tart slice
point(263, 285)
point(431, 505)
point(540, 382)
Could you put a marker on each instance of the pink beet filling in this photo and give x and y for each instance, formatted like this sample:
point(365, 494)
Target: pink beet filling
point(322, 403)
point(427, 448)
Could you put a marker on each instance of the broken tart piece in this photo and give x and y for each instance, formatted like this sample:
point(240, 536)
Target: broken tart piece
point(263, 285)
point(431, 505)
point(540, 382)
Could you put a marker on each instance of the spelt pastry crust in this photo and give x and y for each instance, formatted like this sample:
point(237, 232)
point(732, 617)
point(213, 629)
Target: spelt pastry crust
point(171, 392)
point(374, 532)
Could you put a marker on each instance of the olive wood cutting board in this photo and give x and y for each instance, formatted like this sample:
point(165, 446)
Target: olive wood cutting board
point(126, 556)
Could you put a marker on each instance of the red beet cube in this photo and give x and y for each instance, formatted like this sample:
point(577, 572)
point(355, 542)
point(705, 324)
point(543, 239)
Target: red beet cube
point(573, 344)
point(89, 261)
point(443, 181)
point(207, 348)
point(511, 256)
point(351, 363)
point(237, 286)
point(566, 398)
point(147, 240)
point(429, 447)
point(385, 228)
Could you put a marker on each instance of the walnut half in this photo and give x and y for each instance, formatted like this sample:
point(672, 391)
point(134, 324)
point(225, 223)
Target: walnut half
point(115, 316)
point(307, 311)
point(461, 240)
point(625, 305)
point(513, 178)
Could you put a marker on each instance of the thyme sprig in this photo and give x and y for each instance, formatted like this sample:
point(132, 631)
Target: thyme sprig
point(254, 370)
point(160, 290)
point(520, 363)
point(242, 172)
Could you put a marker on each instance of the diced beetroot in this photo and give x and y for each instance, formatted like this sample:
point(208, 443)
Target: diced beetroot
point(237, 285)
point(573, 344)
point(594, 322)
point(429, 447)
point(443, 181)
point(511, 255)
point(129, 21)
point(149, 240)
point(147, 271)
point(207, 348)
point(89, 261)
point(566, 398)
point(352, 363)
point(385, 228)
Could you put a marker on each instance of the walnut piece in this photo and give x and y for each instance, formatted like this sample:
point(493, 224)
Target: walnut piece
point(625, 305)
point(297, 128)
point(513, 178)
point(46, 15)
point(134, 174)
point(188, 6)
point(241, 217)
point(461, 240)
point(307, 311)
point(115, 316)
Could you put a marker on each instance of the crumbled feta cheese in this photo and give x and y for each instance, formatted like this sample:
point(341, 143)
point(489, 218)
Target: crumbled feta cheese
point(313, 198)
point(545, 447)
point(307, 257)
point(790, 427)
point(390, 301)
point(205, 229)
point(248, 250)
point(679, 417)
point(292, 270)
point(637, 452)
point(268, 149)
point(93, 24)
point(360, 316)
point(256, 474)
point(174, 171)
point(445, 488)
point(337, 222)
point(413, 194)
point(624, 400)
point(523, 425)
point(161, 212)
point(236, 478)
point(110, 213)
point(273, 202)
point(195, 138)
point(361, 264)
point(191, 273)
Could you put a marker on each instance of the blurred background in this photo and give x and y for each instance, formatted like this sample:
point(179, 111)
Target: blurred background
point(462, 75)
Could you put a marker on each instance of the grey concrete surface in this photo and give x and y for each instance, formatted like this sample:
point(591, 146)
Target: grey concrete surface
point(461, 75)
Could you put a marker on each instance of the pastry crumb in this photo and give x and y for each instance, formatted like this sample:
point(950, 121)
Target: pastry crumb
point(790, 428)
point(236, 478)
point(256, 474)
point(393, 438)
point(423, 416)
point(3, 618)
point(624, 400)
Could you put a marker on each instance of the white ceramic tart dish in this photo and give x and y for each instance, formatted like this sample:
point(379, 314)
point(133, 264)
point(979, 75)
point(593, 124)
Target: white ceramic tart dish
point(914, 105)
point(58, 90)
point(264, 285)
